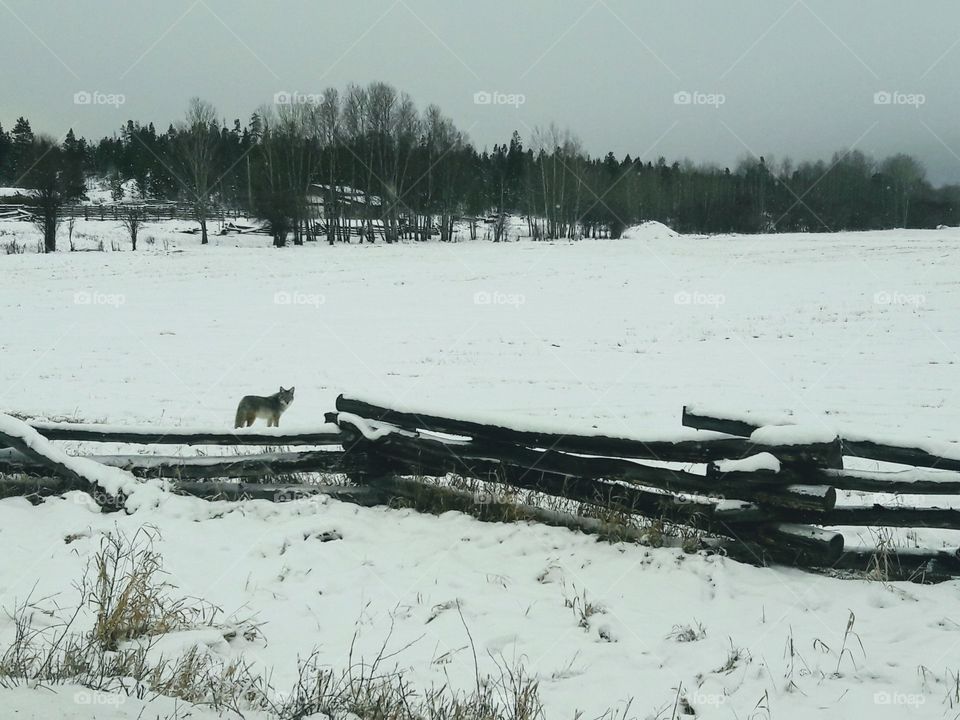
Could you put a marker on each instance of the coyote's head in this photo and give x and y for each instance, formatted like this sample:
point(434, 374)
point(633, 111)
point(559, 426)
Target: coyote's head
point(285, 396)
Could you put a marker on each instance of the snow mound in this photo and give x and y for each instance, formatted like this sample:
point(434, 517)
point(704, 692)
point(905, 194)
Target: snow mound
point(650, 230)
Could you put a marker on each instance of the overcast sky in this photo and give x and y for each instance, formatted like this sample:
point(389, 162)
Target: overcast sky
point(773, 77)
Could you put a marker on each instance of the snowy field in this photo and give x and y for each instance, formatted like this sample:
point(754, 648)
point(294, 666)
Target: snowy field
point(858, 332)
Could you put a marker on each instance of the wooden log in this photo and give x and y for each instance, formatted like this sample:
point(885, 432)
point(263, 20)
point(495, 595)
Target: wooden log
point(57, 466)
point(325, 435)
point(904, 455)
point(209, 466)
point(46, 486)
point(878, 516)
point(923, 565)
point(913, 481)
point(687, 451)
point(36, 488)
point(819, 454)
point(284, 492)
point(805, 543)
point(432, 498)
point(692, 419)
point(110, 486)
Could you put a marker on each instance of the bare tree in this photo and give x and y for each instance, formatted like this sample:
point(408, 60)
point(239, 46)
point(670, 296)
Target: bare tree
point(196, 150)
point(132, 218)
point(274, 198)
point(327, 132)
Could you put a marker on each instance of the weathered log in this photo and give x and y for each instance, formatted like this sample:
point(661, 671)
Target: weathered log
point(915, 564)
point(693, 419)
point(913, 481)
point(903, 455)
point(208, 466)
point(279, 493)
point(878, 516)
point(326, 435)
point(687, 451)
point(47, 486)
point(434, 498)
point(35, 487)
point(805, 543)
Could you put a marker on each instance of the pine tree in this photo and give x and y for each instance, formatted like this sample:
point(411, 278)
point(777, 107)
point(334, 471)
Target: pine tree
point(74, 166)
point(23, 140)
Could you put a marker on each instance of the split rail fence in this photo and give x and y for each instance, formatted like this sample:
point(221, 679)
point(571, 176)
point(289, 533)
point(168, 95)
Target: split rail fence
point(768, 494)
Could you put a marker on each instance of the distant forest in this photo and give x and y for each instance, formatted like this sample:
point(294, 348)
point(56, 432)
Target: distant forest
point(414, 170)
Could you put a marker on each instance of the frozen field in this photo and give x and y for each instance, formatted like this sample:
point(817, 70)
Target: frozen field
point(857, 331)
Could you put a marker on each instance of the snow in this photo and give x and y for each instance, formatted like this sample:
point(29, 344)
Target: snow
point(403, 568)
point(650, 230)
point(583, 335)
point(13, 192)
point(792, 435)
point(753, 463)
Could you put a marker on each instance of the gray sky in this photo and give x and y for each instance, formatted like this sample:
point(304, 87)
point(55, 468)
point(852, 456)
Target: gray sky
point(776, 77)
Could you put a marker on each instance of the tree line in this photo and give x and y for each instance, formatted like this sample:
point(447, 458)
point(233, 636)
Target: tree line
point(382, 168)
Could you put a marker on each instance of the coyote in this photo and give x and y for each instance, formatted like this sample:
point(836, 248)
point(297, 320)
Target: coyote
point(269, 408)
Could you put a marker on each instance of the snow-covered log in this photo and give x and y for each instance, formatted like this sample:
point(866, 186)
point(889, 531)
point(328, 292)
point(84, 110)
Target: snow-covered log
point(326, 434)
point(207, 466)
point(902, 451)
point(114, 484)
point(675, 448)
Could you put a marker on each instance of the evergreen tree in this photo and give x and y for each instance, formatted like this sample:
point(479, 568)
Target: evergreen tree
point(22, 149)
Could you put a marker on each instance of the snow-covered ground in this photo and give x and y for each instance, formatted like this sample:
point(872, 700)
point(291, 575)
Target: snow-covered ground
point(856, 332)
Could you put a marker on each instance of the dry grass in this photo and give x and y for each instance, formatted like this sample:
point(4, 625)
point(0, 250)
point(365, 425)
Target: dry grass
point(688, 633)
point(132, 606)
point(131, 597)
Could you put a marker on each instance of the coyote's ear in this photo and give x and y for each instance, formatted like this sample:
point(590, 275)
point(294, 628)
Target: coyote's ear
point(281, 388)
point(292, 389)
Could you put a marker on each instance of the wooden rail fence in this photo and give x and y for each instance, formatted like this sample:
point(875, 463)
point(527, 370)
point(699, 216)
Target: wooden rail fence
point(764, 494)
